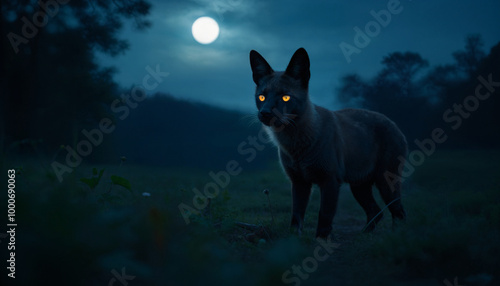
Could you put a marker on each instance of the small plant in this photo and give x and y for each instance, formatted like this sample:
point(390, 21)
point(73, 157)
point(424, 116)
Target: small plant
point(96, 177)
point(93, 181)
point(120, 181)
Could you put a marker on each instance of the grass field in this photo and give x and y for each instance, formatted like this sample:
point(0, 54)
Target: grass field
point(75, 233)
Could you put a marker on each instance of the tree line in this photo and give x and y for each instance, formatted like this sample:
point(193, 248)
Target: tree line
point(420, 98)
point(51, 84)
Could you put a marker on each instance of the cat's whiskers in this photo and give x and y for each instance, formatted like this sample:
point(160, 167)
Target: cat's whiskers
point(251, 119)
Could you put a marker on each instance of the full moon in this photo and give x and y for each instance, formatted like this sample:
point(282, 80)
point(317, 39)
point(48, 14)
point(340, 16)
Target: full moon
point(205, 30)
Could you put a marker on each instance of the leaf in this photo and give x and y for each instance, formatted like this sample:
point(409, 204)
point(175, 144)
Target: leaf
point(100, 174)
point(120, 181)
point(93, 181)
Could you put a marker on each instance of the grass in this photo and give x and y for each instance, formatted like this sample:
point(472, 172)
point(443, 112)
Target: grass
point(70, 233)
point(453, 202)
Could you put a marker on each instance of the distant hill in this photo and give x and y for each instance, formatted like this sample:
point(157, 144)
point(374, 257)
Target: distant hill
point(166, 131)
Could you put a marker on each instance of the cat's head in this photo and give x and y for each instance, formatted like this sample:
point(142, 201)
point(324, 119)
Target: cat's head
point(281, 97)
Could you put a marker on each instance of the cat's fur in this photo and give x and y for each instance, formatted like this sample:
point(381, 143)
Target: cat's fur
point(323, 147)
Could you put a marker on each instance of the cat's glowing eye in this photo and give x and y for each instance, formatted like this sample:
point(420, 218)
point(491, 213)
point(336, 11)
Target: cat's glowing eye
point(262, 98)
point(286, 97)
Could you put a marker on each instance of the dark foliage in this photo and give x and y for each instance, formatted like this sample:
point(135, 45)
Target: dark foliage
point(51, 85)
point(445, 97)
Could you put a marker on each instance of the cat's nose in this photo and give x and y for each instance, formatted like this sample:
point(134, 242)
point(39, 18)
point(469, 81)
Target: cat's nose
point(265, 114)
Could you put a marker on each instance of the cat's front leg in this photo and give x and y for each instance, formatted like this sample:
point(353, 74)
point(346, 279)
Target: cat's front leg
point(329, 199)
point(301, 192)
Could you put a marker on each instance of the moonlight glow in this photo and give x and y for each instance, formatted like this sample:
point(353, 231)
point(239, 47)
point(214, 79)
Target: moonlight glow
point(205, 30)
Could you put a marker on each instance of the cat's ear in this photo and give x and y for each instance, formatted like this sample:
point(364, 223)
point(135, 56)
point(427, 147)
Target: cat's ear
point(260, 67)
point(298, 68)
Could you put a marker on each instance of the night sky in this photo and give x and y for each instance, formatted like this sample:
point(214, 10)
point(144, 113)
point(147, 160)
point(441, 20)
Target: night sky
point(219, 73)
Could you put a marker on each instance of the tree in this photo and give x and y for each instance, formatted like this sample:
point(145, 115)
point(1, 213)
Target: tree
point(51, 85)
point(391, 92)
point(352, 90)
point(469, 59)
point(438, 80)
point(400, 69)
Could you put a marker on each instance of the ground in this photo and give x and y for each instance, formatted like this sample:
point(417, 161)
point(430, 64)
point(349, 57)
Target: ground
point(91, 234)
